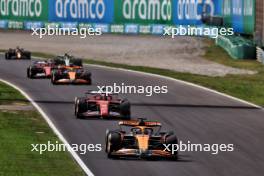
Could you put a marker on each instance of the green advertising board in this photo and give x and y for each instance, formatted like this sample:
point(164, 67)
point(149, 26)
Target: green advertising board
point(143, 11)
point(227, 13)
point(24, 10)
point(249, 16)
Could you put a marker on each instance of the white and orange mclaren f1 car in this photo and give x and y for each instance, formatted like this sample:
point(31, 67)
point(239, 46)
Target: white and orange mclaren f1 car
point(140, 139)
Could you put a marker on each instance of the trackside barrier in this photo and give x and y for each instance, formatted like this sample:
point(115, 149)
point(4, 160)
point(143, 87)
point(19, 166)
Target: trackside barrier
point(237, 47)
point(260, 55)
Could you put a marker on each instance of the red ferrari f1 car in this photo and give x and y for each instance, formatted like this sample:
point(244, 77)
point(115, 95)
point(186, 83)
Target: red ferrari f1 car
point(17, 53)
point(102, 105)
point(40, 69)
point(141, 139)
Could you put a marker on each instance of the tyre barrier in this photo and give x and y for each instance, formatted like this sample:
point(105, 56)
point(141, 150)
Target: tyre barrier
point(237, 47)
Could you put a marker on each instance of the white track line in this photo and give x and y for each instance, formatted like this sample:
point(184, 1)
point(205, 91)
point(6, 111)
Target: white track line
point(53, 127)
point(183, 82)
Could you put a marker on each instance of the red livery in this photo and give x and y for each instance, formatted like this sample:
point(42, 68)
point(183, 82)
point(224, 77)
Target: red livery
point(102, 105)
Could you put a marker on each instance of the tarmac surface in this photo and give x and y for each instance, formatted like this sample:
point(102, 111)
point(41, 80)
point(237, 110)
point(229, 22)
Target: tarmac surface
point(194, 114)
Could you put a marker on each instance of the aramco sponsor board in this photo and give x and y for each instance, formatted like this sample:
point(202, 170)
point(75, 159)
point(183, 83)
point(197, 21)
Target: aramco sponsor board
point(239, 14)
point(180, 12)
point(23, 10)
point(91, 11)
point(107, 11)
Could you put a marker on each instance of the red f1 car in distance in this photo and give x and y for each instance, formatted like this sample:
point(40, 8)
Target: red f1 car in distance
point(103, 105)
point(17, 54)
point(40, 69)
point(140, 139)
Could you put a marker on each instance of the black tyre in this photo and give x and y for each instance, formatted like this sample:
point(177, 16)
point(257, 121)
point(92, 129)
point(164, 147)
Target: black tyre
point(30, 73)
point(7, 56)
point(58, 61)
point(77, 62)
point(54, 77)
point(172, 139)
point(125, 109)
point(29, 56)
point(113, 143)
point(81, 106)
point(87, 76)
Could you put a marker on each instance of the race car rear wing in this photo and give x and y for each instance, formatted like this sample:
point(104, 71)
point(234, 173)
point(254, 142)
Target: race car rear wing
point(140, 122)
point(100, 92)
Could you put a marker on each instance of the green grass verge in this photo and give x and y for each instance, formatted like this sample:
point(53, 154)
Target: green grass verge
point(9, 95)
point(18, 130)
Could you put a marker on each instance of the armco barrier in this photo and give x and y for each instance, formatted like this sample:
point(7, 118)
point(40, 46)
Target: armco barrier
point(237, 47)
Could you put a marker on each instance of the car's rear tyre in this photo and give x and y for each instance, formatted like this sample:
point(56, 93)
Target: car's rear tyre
point(80, 107)
point(77, 62)
point(54, 78)
point(30, 73)
point(87, 76)
point(29, 56)
point(172, 139)
point(113, 143)
point(125, 109)
point(7, 57)
point(58, 61)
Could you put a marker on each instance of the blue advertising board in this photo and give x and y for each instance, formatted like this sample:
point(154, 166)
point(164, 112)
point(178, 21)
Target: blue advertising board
point(131, 29)
point(28, 25)
point(218, 6)
point(91, 11)
point(190, 12)
point(3, 24)
point(237, 15)
point(240, 15)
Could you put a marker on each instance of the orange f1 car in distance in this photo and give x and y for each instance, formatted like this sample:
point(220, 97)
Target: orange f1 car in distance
point(71, 73)
point(140, 139)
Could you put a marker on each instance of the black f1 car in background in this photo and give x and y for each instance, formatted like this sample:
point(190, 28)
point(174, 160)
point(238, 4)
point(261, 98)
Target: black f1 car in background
point(102, 105)
point(141, 139)
point(18, 53)
point(43, 69)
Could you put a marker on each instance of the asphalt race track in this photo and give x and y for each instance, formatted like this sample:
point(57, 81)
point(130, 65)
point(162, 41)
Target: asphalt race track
point(194, 114)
